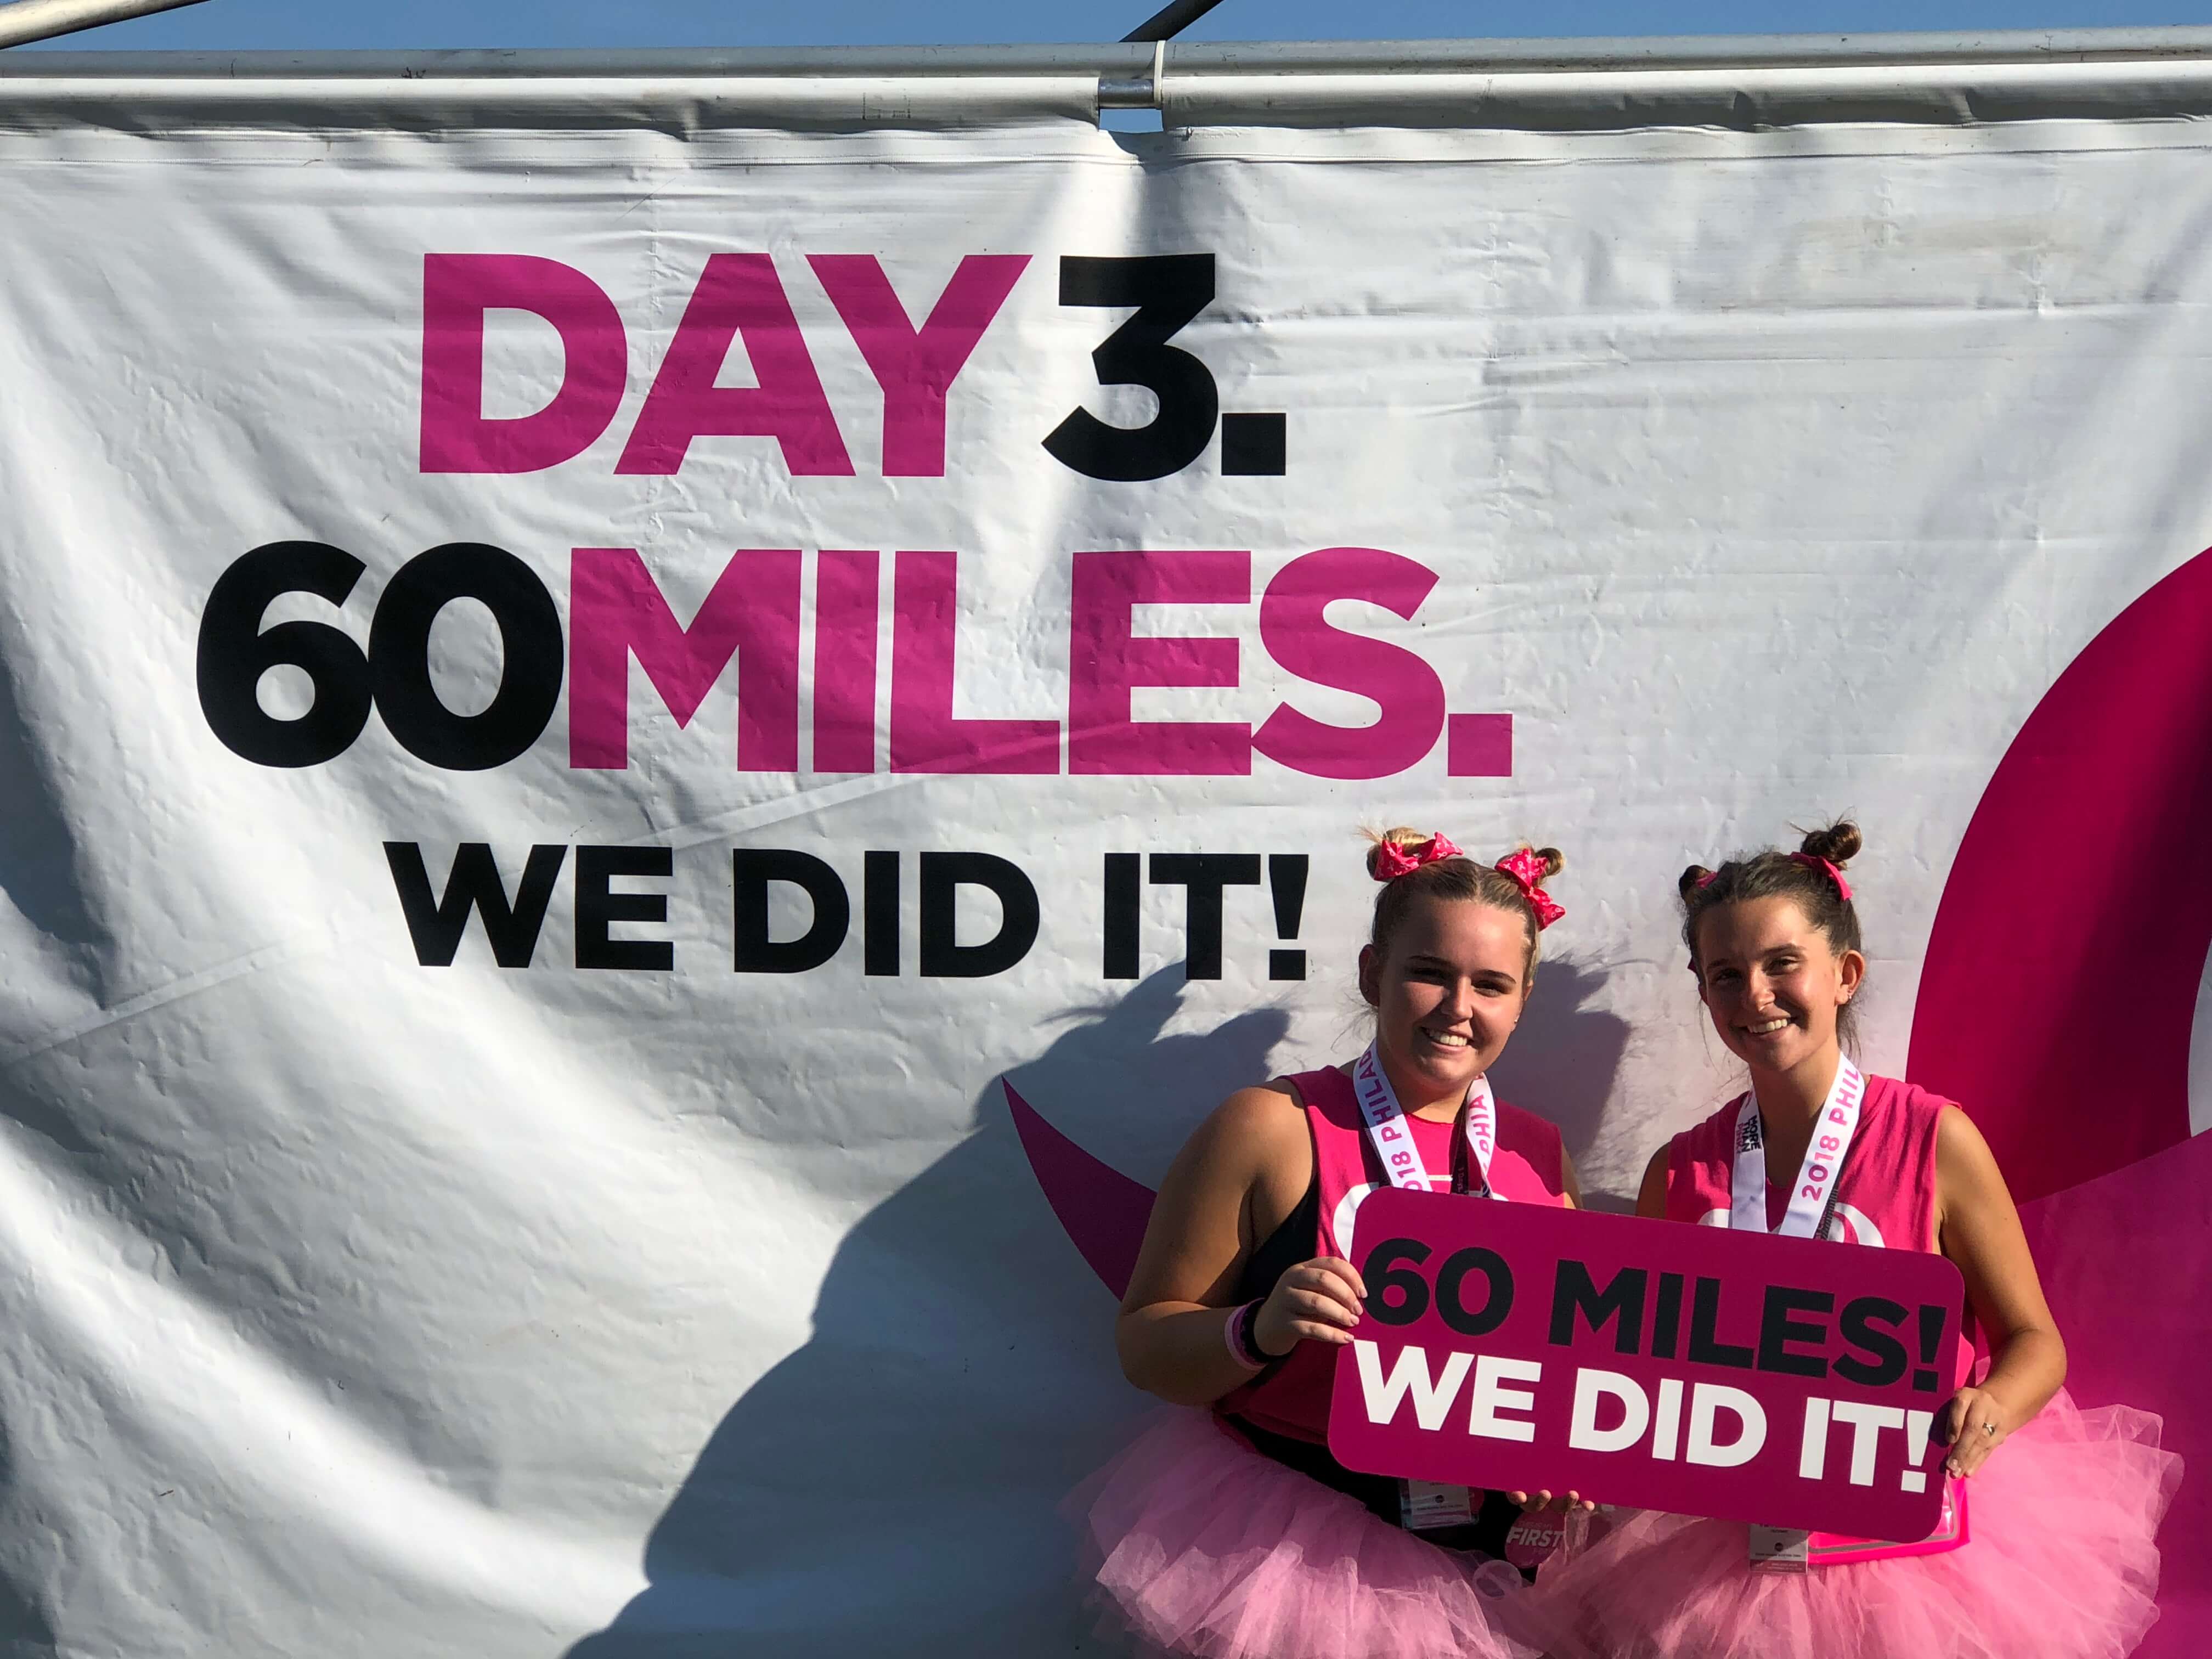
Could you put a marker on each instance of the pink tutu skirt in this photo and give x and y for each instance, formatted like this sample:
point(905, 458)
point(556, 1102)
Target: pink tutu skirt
point(2062, 1564)
point(1202, 1546)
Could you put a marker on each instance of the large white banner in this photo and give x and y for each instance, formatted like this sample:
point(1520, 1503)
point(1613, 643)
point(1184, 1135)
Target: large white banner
point(576, 690)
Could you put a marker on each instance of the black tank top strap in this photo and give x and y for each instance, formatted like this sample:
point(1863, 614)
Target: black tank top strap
point(1294, 1241)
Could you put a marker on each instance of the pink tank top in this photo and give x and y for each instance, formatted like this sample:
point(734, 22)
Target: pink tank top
point(1292, 1399)
point(1885, 1195)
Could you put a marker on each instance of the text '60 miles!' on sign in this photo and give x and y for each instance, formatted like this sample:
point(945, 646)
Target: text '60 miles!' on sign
point(1789, 1381)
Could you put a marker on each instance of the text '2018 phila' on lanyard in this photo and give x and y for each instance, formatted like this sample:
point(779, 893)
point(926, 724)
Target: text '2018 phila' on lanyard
point(1394, 1143)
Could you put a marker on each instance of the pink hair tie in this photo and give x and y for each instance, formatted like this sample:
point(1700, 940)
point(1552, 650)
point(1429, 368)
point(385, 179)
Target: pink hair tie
point(1392, 860)
point(1814, 861)
point(1526, 868)
point(1706, 881)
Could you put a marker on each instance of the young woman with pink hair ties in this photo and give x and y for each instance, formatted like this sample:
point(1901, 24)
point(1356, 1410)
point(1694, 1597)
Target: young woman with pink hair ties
point(2047, 1549)
point(1227, 1531)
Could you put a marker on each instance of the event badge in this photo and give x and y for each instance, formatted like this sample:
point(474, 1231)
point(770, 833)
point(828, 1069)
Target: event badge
point(1432, 1505)
point(1780, 1549)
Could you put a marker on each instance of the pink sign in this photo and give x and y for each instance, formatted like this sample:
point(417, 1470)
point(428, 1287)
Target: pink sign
point(1782, 1381)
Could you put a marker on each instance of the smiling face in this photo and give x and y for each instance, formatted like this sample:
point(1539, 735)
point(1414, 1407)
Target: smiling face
point(1772, 983)
point(1447, 994)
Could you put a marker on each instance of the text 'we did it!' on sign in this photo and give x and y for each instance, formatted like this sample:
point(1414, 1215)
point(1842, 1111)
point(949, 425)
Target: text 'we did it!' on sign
point(1782, 1381)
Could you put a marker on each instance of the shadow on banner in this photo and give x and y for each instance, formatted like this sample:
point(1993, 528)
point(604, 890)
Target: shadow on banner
point(889, 1488)
point(882, 1487)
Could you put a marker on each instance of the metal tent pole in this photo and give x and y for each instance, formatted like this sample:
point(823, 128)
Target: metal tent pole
point(37, 19)
point(1170, 20)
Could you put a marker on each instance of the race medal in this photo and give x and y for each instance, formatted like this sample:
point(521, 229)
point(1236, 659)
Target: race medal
point(1812, 1206)
point(1394, 1143)
point(1425, 1505)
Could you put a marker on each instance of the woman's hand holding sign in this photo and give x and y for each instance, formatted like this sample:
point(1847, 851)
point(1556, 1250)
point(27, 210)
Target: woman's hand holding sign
point(1322, 1301)
point(1317, 1301)
point(1537, 1500)
point(1973, 1424)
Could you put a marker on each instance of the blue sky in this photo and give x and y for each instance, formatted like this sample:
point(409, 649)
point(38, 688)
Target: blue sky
point(399, 24)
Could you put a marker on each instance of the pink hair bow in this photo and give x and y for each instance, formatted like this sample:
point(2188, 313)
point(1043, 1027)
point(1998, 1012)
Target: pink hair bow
point(1526, 868)
point(1392, 860)
point(1814, 861)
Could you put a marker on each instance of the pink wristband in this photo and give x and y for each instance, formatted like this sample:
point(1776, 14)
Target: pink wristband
point(1228, 1338)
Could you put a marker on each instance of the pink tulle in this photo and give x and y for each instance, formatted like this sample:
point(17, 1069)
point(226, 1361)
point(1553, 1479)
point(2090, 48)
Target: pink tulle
point(1204, 1547)
point(2063, 1565)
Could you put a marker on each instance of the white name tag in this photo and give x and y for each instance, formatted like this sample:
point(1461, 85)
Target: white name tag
point(1780, 1549)
point(1432, 1505)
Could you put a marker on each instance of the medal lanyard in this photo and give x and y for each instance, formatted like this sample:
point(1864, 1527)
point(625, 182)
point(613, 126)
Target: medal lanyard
point(1812, 1198)
point(1393, 1142)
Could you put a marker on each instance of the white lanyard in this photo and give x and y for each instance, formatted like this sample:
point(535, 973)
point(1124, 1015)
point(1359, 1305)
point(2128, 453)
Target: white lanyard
point(1812, 1198)
point(1393, 1142)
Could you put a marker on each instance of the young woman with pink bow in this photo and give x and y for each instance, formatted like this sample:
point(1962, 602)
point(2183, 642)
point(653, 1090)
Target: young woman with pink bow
point(1227, 1531)
point(2047, 1550)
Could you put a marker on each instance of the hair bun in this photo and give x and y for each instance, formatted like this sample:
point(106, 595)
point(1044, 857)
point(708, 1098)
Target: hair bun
point(1838, 844)
point(1555, 860)
point(1693, 879)
point(1398, 836)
